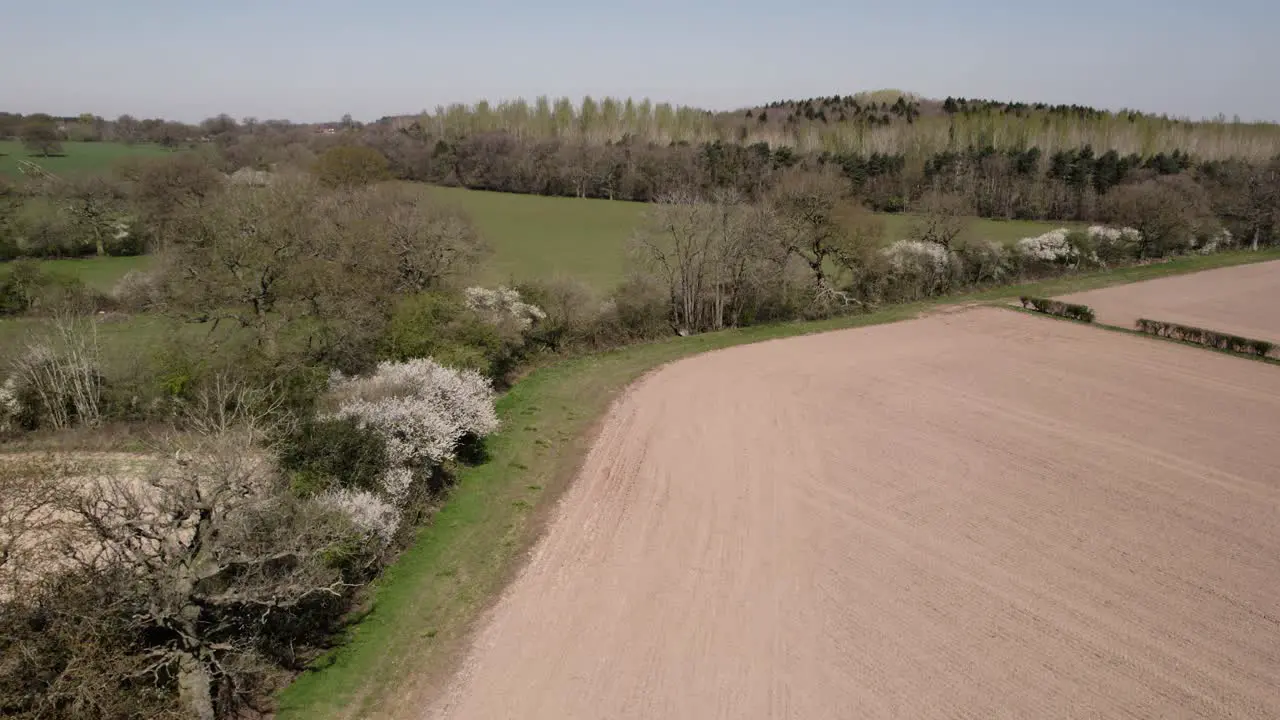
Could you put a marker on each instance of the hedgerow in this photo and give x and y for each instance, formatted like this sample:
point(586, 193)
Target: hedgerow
point(1083, 313)
point(1208, 338)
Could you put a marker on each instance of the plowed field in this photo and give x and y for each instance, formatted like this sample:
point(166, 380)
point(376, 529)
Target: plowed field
point(1242, 300)
point(982, 514)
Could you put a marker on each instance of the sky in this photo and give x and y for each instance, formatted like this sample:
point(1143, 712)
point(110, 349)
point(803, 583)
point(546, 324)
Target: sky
point(316, 60)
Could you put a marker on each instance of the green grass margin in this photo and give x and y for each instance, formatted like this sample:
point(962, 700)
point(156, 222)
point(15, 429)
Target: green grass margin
point(424, 606)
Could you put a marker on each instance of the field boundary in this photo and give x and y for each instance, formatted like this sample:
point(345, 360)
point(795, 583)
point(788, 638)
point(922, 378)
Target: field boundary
point(424, 608)
point(1138, 333)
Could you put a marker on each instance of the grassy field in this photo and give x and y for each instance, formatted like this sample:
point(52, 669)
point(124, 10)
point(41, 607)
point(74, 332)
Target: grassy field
point(536, 237)
point(76, 156)
point(425, 605)
point(99, 273)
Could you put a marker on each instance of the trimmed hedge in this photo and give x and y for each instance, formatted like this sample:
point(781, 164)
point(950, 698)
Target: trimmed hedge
point(1083, 313)
point(1208, 338)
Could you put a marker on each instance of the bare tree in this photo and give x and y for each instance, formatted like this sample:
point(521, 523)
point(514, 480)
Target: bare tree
point(60, 373)
point(940, 218)
point(709, 255)
point(1167, 211)
point(40, 135)
point(30, 492)
point(176, 591)
point(166, 189)
point(1248, 198)
point(676, 242)
point(816, 221)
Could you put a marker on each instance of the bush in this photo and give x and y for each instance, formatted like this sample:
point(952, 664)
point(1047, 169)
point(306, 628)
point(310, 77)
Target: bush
point(440, 326)
point(425, 414)
point(10, 406)
point(1208, 338)
point(1083, 313)
point(137, 291)
point(322, 454)
point(1052, 248)
point(127, 239)
point(57, 381)
point(42, 228)
point(984, 261)
point(1114, 245)
point(640, 311)
point(920, 269)
point(571, 313)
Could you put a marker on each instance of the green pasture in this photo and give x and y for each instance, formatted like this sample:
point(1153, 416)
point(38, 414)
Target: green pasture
point(76, 157)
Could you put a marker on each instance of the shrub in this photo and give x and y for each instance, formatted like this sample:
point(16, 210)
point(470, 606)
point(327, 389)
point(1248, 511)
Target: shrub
point(1083, 313)
point(20, 286)
point(336, 451)
point(502, 306)
point(425, 414)
point(640, 310)
point(440, 326)
point(984, 261)
point(571, 312)
point(58, 381)
point(1052, 248)
point(10, 406)
point(1208, 338)
point(126, 240)
point(44, 229)
point(1114, 245)
point(920, 269)
point(1215, 241)
point(1084, 248)
point(371, 514)
point(421, 408)
point(137, 291)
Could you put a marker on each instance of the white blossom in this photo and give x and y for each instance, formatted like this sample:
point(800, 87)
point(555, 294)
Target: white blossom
point(915, 256)
point(10, 406)
point(396, 482)
point(365, 510)
point(421, 409)
point(1104, 234)
point(503, 304)
point(1052, 246)
point(1223, 239)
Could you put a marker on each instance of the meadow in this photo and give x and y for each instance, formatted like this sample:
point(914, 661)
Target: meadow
point(76, 157)
point(536, 237)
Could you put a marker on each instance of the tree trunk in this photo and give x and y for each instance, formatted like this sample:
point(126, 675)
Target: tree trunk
point(1257, 231)
point(195, 688)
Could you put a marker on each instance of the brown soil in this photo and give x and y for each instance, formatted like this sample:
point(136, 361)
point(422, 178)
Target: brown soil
point(976, 515)
point(1239, 300)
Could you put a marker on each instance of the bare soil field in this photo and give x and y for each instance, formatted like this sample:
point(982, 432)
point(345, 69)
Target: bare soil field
point(1240, 300)
point(979, 514)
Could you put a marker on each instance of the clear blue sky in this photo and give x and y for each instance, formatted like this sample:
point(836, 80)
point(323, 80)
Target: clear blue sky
point(317, 59)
